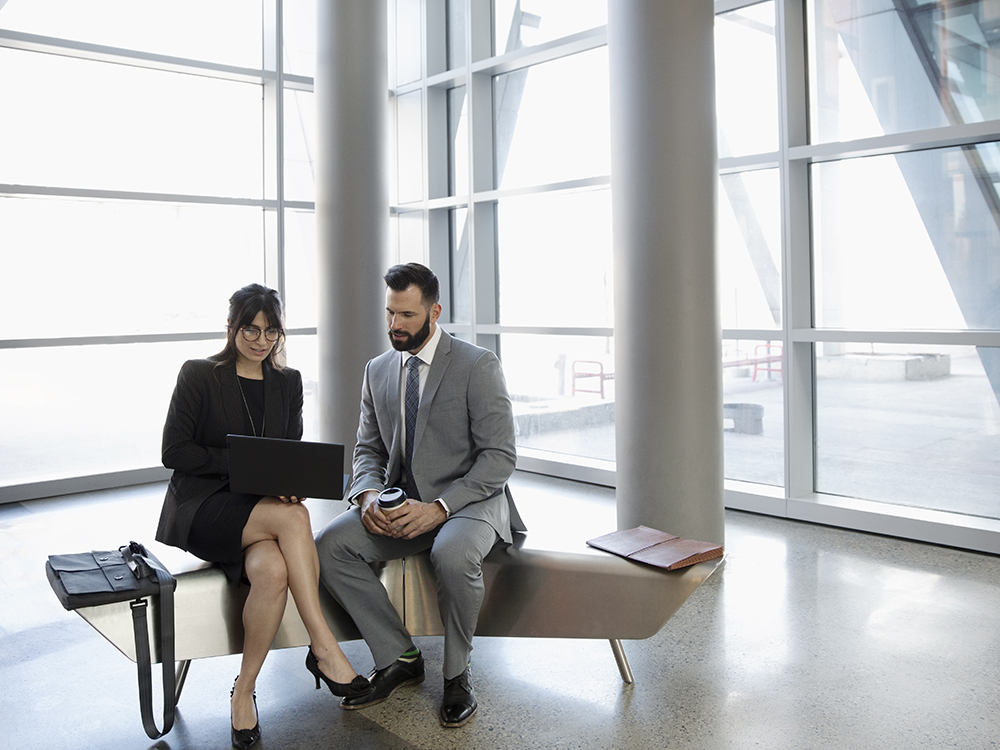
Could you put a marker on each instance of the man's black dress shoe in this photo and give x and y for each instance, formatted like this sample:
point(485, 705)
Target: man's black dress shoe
point(459, 702)
point(385, 681)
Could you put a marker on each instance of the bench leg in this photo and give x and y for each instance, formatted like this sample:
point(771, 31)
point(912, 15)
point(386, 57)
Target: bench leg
point(182, 673)
point(623, 667)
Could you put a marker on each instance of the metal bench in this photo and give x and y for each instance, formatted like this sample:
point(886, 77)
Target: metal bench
point(576, 592)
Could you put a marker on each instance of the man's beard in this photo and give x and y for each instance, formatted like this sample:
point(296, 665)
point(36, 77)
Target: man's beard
point(414, 340)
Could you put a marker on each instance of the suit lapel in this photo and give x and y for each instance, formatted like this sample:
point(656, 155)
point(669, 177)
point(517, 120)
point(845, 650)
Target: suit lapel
point(442, 358)
point(274, 404)
point(392, 385)
point(391, 395)
point(232, 402)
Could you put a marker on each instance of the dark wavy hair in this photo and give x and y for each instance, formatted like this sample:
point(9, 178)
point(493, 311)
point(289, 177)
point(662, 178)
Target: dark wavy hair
point(399, 278)
point(243, 308)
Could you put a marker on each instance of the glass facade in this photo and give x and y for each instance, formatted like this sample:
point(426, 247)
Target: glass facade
point(565, 239)
point(753, 411)
point(504, 167)
point(524, 23)
point(300, 146)
point(69, 419)
point(552, 122)
point(195, 134)
point(889, 67)
point(409, 148)
point(858, 224)
point(226, 32)
point(114, 277)
point(749, 241)
point(905, 256)
point(746, 80)
point(139, 187)
point(907, 241)
point(910, 425)
point(563, 393)
point(828, 253)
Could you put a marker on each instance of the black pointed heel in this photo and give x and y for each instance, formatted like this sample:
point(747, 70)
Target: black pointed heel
point(245, 738)
point(356, 688)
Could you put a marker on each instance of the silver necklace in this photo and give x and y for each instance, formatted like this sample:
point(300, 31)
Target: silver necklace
point(246, 406)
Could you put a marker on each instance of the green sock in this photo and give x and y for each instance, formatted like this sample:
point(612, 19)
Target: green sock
point(411, 655)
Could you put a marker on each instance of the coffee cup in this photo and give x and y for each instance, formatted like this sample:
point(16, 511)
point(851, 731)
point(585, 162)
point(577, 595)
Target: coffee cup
point(391, 498)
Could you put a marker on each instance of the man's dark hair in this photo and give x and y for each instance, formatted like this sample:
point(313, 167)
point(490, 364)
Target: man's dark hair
point(399, 278)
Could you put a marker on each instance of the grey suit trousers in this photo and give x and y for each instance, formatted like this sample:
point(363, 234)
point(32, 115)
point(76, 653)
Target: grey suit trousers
point(458, 546)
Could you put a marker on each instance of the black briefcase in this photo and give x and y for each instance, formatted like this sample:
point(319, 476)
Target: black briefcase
point(129, 573)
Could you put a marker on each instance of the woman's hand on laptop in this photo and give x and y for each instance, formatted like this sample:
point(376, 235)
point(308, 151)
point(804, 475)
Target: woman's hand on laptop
point(291, 499)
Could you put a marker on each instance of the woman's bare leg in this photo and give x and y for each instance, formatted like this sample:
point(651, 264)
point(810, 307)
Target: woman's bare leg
point(262, 613)
point(287, 524)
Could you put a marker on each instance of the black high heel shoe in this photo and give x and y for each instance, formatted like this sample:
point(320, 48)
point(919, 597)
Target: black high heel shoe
point(245, 738)
point(356, 688)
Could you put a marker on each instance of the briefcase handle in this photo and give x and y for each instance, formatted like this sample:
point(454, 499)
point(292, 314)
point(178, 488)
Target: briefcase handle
point(134, 555)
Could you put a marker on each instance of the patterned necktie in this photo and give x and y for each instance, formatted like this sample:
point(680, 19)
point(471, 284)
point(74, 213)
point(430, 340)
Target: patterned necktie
point(411, 404)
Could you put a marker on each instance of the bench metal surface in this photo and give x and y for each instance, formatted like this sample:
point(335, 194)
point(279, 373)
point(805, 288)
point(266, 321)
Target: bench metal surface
point(549, 584)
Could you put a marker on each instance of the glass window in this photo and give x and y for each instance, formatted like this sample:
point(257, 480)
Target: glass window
point(116, 267)
point(300, 145)
point(303, 355)
point(300, 37)
point(107, 267)
point(408, 41)
point(562, 388)
point(96, 125)
point(565, 240)
point(523, 23)
point(749, 244)
point(552, 121)
point(301, 276)
point(458, 141)
point(92, 424)
point(221, 31)
point(916, 426)
point(746, 81)
point(409, 147)
point(456, 34)
point(461, 270)
point(70, 419)
point(753, 411)
point(893, 67)
point(908, 241)
point(410, 230)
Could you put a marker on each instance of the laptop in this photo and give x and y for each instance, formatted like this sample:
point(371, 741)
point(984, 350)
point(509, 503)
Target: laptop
point(272, 466)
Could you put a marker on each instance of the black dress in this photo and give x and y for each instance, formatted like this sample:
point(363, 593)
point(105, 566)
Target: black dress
point(217, 531)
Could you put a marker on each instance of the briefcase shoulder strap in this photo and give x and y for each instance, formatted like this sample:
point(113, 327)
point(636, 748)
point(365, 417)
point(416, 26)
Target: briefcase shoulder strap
point(144, 657)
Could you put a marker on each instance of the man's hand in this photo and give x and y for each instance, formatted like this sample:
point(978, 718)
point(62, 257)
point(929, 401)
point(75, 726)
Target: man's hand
point(371, 515)
point(415, 518)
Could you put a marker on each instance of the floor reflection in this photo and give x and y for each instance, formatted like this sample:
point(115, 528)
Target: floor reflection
point(806, 637)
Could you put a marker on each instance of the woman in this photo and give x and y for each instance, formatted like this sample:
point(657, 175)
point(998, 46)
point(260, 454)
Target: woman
point(244, 389)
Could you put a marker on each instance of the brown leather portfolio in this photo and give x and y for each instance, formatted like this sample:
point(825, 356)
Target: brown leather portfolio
point(658, 548)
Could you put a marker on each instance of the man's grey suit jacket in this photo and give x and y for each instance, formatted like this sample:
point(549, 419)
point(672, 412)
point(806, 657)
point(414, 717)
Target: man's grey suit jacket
point(464, 451)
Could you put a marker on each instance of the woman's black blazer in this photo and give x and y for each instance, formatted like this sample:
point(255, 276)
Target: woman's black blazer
point(206, 406)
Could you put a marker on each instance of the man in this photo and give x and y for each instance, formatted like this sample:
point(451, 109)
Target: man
point(454, 469)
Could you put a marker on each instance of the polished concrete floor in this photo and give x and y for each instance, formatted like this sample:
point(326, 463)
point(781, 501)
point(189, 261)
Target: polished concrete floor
point(807, 637)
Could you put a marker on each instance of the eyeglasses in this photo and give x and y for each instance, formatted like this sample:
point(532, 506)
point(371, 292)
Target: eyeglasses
point(252, 333)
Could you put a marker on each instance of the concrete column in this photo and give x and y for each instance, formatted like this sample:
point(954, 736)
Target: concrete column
point(352, 204)
point(668, 375)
